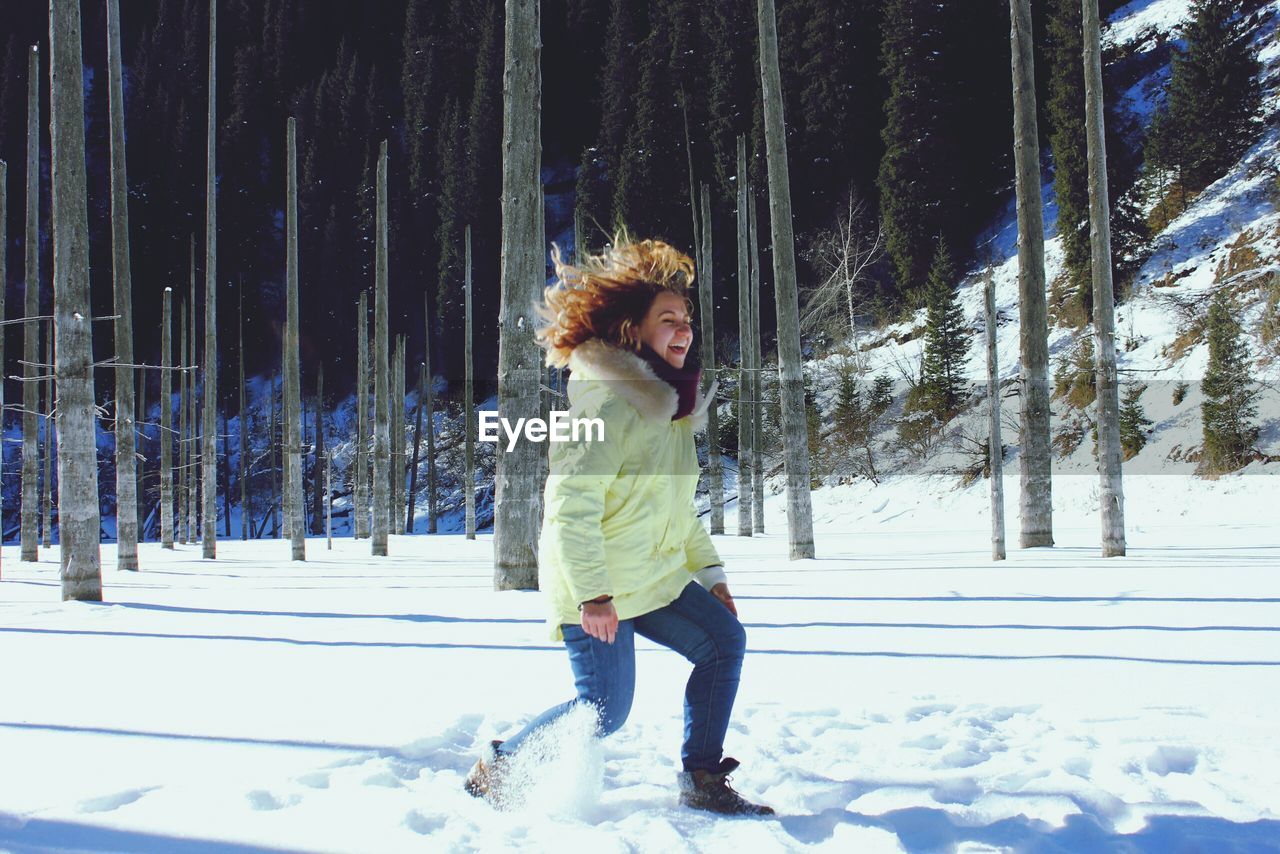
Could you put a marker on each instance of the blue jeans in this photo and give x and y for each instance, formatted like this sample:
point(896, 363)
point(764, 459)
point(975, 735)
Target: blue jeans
point(697, 626)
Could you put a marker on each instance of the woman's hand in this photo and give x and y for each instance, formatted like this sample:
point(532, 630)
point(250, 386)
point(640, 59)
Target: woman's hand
point(600, 620)
point(721, 592)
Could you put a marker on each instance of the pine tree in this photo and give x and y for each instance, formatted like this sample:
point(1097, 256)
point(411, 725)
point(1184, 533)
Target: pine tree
point(1230, 396)
point(945, 344)
point(1214, 96)
point(1133, 421)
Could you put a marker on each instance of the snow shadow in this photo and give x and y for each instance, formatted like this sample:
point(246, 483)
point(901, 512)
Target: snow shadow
point(28, 836)
point(927, 829)
point(412, 618)
point(382, 750)
point(290, 641)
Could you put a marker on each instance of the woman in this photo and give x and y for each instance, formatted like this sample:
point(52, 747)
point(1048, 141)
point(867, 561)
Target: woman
point(622, 552)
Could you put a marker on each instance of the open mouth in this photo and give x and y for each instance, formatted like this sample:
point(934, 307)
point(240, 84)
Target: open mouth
point(679, 350)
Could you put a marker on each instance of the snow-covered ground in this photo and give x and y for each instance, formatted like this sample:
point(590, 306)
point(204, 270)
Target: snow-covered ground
point(902, 692)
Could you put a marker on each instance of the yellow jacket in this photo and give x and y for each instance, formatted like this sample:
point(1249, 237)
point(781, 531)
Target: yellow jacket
point(618, 514)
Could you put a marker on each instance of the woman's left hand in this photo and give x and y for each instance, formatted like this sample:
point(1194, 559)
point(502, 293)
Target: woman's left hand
point(721, 592)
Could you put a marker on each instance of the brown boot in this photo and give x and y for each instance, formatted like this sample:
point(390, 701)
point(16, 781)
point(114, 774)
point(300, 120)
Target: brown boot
point(710, 790)
point(485, 778)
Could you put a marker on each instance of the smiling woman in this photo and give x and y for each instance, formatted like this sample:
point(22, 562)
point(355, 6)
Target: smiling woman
point(622, 552)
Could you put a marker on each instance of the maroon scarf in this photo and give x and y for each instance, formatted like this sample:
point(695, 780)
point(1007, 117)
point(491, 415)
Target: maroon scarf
point(684, 380)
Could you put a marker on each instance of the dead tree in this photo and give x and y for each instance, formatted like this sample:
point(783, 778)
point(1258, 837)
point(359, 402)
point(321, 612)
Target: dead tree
point(517, 499)
point(48, 416)
point(31, 329)
point(245, 519)
point(317, 508)
point(431, 425)
point(995, 446)
point(757, 408)
point(184, 478)
point(381, 397)
point(795, 437)
point(360, 486)
point(1036, 499)
point(126, 440)
point(166, 420)
point(1111, 486)
point(79, 521)
point(706, 307)
point(209, 457)
point(745, 481)
point(294, 501)
point(417, 447)
point(468, 410)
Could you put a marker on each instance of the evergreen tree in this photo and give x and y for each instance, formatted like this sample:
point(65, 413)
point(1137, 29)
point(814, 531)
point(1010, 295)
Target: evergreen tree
point(1213, 97)
point(1133, 421)
point(945, 345)
point(1230, 397)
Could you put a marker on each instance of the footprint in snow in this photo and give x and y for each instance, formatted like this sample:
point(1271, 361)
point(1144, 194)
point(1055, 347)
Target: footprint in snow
point(315, 780)
point(261, 799)
point(107, 803)
point(1170, 759)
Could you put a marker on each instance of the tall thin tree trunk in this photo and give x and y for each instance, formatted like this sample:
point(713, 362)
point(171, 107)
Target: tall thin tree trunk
point(468, 403)
point(396, 510)
point(166, 421)
point(294, 517)
point(183, 482)
point(417, 446)
point(31, 329)
point(517, 501)
point(381, 396)
point(431, 424)
point(706, 307)
point(210, 457)
point(126, 440)
point(693, 198)
point(286, 458)
point(1111, 485)
point(328, 500)
point(79, 521)
point(1036, 499)
point(226, 476)
point(4, 278)
point(745, 481)
point(757, 408)
point(579, 247)
point(245, 514)
point(995, 446)
point(276, 423)
point(317, 507)
point(360, 484)
point(48, 419)
point(140, 418)
point(193, 447)
point(795, 436)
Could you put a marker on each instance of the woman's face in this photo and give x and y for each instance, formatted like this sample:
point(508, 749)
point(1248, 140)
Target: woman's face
point(666, 328)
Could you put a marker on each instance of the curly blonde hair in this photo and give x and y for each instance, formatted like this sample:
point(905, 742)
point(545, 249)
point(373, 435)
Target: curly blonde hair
point(607, 296)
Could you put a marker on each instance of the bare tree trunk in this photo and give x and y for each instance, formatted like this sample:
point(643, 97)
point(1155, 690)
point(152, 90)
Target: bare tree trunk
point(396, 509)
point(286, 458)
point(226, 476)
point(192, 425)
point(517, 502)
point(317, 506)
point(166, 421)
point(275, 467)
point(381, 398)
point(579, 249)
point(210, 458)
point(1111, 484)
point(48, 419)
point(294, 499)
point(4, 279)
point(328, 500)
point(245, 514)
point(183, 528)
point(431, 425)
point(706, 307)
point(1036, 499)
point(360, 485)
point(757, 408)
point(126, 440)
point(140, 419)
point(795, 437)
point(745, 481)
point(995, 445)
point(468, 397)
point(31, 329)
point(417, 446)
point(79, 522)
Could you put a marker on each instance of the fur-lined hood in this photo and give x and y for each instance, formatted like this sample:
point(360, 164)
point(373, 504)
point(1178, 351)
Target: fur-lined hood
point(634, 380)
